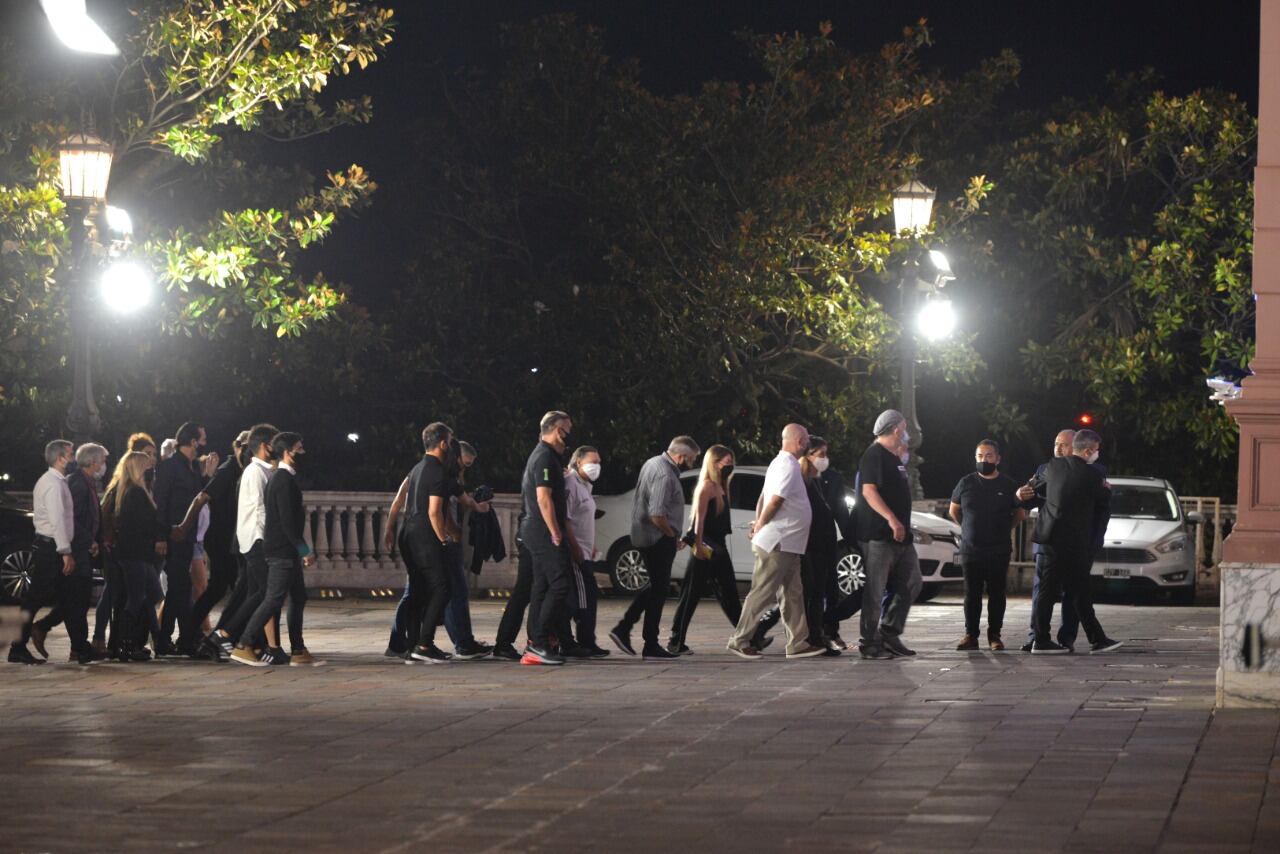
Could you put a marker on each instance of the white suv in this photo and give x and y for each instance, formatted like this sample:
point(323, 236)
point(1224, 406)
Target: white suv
point(937, 539)
point(1147, 541)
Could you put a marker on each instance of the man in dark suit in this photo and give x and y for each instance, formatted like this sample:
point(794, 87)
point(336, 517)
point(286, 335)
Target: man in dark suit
point(1072, 491)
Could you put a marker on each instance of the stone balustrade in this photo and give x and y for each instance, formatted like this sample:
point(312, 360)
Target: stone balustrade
point(346, 531)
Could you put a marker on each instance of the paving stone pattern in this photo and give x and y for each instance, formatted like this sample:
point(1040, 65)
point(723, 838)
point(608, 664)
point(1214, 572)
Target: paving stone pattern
point(947, 752)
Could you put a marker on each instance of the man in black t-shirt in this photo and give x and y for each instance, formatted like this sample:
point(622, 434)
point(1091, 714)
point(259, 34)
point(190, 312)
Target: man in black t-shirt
point(985, 504)
point(542, 531)
point(425, 534)
point(883, 516)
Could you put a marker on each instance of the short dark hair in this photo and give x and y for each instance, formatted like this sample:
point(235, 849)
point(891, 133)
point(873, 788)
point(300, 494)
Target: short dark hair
point(259, 435)
point(992, 443)
point(188, 434)
point(284, 442)
point(816, 443)
point(581, 453)
point(435, 433)
point(1085, 439)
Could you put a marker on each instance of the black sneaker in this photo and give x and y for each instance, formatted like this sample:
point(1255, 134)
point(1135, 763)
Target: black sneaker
point(894, 645)
point(621, 637)
point(274, 657)
point(187, 649)
point(506, 652)
point(574, 650)
point(875, 652)
point(679, 649)
point(1026, 647)
point(837, 643)
point(430, 653)
point(164, 648)
point(88, 655)
point(1048, 648)
point(210, 650)
point(224, 644)
point(391, 652)
point(656, 652)
point(597, 652)
point(540, 655)
point(472, 651)
point(19, 654)
point(1105, 645)
point(764, 642)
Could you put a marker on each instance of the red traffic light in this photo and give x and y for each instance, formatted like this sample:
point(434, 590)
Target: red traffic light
point(1085, 419)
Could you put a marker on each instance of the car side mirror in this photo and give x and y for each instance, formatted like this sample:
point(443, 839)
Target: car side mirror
point(1195, 517)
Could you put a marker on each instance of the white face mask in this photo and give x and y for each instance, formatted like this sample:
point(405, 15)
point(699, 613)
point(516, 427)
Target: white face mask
point(821, 464)
point(591, 471)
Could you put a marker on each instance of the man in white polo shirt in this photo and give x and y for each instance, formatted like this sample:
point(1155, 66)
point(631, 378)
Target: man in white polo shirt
point(778, 539)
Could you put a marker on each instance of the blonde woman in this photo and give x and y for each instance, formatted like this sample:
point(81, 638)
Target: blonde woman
point(137, 529)
point(709, 565)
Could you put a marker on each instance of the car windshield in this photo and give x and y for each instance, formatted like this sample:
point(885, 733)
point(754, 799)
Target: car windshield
point(1143, 502)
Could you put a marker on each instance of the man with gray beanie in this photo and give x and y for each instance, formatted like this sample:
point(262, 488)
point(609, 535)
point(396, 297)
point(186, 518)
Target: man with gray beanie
point(883, 517)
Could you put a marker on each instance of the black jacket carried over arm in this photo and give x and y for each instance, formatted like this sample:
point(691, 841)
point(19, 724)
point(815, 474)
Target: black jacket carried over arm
point(486, 540)
point(1072, 492)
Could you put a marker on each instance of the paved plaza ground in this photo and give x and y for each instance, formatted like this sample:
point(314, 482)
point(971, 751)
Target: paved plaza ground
point(945, 752)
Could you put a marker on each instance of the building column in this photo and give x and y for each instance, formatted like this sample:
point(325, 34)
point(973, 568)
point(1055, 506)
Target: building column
point(1251, 555)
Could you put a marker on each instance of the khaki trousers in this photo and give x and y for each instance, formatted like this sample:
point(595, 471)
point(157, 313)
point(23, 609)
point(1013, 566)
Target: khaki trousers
point(775, 580)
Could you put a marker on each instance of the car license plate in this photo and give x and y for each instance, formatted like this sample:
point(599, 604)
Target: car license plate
point(1113, 572)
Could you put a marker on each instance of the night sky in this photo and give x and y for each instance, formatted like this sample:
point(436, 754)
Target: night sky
point(1067, 48)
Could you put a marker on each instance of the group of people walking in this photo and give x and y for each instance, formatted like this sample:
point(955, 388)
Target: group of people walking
point(244, 517)
point(160, 515)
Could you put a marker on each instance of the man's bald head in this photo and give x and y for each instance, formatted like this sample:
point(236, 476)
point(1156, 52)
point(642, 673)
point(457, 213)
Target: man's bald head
point(1062, 443)
point(795, 438)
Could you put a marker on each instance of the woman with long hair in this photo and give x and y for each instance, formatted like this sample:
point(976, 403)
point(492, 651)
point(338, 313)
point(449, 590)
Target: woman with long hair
point(709, 565)
point(137, 529)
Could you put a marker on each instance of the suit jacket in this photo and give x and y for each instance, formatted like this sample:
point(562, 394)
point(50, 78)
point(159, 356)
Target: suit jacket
point(84, 509)
point(1073, 492)
point(1101, 516)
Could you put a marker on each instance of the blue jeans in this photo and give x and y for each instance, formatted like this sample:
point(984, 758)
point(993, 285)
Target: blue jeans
point(1070, 629)
point(457, 614)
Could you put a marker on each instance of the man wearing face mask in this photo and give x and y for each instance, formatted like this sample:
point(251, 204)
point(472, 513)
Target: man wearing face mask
point(657, 518)
point(543, 532)
point(1027, 495)
point(1072, 490)
point(889, 554)
point(580, 511)
point(985, 505)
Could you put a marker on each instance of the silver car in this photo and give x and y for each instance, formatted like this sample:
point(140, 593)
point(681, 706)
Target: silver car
point(937, 539)
point(1147, 542)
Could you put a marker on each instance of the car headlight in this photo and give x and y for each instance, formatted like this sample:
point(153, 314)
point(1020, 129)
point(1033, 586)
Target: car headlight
point(1176, 543)
point(920, 537)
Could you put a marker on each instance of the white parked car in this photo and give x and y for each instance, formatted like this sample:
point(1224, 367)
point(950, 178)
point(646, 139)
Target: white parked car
point(937, 539)
point(1148, 542)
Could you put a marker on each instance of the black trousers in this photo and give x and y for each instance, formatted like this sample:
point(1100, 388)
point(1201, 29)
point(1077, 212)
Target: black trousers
point(549, 594)
point(68, 593)
point(111, 604)
point(428, 584)
point(584, 599)
point(255, 587)
point(649, 602)
point(141, 591)
point(177, 598)
point(222, 577)
point(284, 580)
point(1068, 571)
point(239, 591)
point(839, 606)
point(700, 578)
point(989, 573)
point(513, 614)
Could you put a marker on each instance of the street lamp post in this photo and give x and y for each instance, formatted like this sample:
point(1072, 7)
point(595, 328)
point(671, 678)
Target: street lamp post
point(912, 206)
point(85, 169)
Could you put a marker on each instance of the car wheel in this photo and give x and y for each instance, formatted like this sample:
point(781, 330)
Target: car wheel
point(850, 573)
point(927, 592)
point(627, 571)
point(15, 574)
point(1184, 595)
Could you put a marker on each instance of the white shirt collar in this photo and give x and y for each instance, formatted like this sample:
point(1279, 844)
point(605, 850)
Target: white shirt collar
point(287, 468)
point(61, 475)
point(262, 462)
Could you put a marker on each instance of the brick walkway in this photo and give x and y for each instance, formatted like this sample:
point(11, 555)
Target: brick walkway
point(949, 751)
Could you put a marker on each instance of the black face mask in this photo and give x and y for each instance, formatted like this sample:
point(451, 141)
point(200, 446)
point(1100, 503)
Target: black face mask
point(297, 460)
point(985, 467)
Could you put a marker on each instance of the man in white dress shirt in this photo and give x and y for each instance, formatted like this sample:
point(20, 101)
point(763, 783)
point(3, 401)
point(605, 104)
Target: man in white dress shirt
point(51, 549)
point(779, 535)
